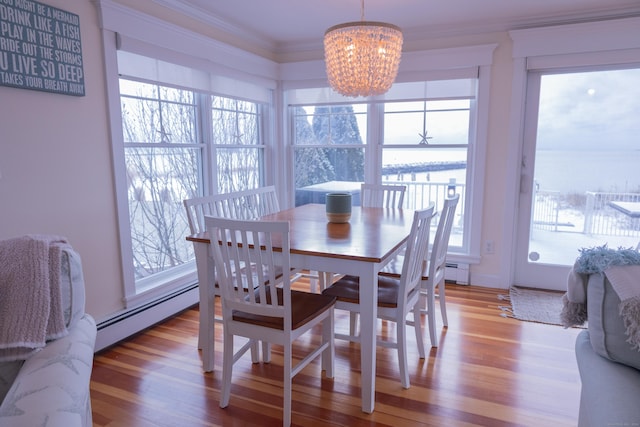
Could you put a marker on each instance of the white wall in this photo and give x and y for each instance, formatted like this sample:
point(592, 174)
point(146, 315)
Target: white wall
point(55, 168)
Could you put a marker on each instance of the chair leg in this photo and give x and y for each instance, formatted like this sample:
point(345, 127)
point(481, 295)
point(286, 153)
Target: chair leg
point(201, 331)
point(417, 324)
point(227, 368)
point(206, 338)
point(286, 411)
point(353, 323)
point(401, 335)
point(255, 351)
point(313, 282)
point(266, 351)
point(422, 302)
point(319, 281)
point(328, 355)
point(327, 279)
point(323, 280)
point(443, 303)
point(431, 318)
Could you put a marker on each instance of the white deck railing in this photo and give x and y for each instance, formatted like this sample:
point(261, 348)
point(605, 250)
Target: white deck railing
point(594, 217)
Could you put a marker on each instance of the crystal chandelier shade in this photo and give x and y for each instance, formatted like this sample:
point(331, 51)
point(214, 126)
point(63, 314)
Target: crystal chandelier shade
point(362, 57)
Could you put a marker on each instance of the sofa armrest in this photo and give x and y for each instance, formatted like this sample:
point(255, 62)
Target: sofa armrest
point(610, 390)
point(52, 387)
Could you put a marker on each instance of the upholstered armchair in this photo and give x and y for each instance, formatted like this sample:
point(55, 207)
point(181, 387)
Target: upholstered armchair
point(46, 339)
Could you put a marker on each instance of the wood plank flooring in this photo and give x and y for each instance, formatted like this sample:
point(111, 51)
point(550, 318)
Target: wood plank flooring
point(487, 371)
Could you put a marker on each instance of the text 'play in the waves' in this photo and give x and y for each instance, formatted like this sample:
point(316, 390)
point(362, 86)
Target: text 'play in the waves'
point(40, 48)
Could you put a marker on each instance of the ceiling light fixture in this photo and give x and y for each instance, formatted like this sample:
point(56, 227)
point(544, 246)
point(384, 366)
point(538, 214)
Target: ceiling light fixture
point(362, 57)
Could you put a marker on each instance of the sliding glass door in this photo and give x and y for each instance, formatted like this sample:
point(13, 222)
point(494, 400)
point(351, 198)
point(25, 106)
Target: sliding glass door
point(580, 177)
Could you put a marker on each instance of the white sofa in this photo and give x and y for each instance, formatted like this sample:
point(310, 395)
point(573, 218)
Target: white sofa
point(50, 388)
point(609, 367)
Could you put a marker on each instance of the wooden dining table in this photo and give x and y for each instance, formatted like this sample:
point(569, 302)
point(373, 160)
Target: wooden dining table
point(361, 247)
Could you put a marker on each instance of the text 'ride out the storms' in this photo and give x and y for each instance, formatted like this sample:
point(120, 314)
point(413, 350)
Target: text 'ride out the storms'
point(40, 47)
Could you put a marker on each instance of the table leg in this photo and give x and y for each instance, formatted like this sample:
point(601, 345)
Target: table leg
point(206, 338)
point(368, 321)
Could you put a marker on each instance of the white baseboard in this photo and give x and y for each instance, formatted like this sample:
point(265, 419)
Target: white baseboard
point(130, 322)
point(457, 272)
point(489, 281)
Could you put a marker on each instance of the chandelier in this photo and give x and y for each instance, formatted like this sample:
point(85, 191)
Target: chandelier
point(362, 57)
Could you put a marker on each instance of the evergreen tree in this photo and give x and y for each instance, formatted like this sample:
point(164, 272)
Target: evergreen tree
point(311, 164)
point(337, 125)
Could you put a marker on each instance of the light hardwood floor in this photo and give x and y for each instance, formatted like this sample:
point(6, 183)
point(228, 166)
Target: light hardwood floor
point(487, 371)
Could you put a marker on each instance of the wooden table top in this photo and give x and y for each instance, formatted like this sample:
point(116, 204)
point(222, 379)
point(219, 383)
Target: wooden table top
point(369, 236)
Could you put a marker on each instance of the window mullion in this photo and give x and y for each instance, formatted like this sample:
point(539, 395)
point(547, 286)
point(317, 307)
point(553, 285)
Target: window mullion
point(375, 141)
point(209, 151)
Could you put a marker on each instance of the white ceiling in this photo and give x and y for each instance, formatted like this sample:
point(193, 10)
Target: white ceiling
point(282, 26)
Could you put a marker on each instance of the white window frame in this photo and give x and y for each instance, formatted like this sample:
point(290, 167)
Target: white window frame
point(177, 273)
point(374, 145)
point(124, 29)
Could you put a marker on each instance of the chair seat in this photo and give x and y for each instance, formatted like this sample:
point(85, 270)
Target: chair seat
point(305, 306)
point(347, 289)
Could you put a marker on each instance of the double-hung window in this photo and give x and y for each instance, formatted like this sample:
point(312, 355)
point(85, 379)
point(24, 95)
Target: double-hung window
point(237, 142)
point(422, 141)
point(329, 149)
point(428, 144)
point(163, 158)
point(179, 141)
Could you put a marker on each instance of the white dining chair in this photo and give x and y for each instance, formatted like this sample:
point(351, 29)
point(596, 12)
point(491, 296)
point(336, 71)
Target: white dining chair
point(397, 296)
point(246, 205)
point(434, 269)
point(375, 196)
point(382, 196)
point(258, 302)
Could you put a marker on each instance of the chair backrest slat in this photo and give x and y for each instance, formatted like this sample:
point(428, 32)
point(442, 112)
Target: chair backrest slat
point(441, 240)
point(416, 252)
point(382, 196)
point(247, 204)
point(250, 258)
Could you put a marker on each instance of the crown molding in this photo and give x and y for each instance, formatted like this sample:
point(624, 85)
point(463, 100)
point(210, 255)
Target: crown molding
point(208, 18)
point(154, 31)
point(413, 35)
point(615, 34)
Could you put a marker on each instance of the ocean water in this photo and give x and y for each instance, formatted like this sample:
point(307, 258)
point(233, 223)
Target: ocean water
point(574, 171)
point(566, 171)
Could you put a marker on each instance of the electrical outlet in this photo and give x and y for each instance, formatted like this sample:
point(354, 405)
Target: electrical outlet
point(489, 247)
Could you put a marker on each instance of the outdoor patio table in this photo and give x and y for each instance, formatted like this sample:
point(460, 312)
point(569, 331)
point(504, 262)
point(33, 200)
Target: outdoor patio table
point(631, 209)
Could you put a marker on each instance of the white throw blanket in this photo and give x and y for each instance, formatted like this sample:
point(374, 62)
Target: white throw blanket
point(622, 268)
point(31, 310)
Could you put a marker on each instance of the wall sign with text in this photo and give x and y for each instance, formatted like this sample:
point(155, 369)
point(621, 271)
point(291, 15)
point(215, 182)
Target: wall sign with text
point(40, 48)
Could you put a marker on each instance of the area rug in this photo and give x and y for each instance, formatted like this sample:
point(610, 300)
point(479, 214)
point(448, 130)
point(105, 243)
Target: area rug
point(533, 305)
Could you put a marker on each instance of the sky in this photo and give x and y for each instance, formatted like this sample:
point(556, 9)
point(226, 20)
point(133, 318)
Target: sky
point(590, 111)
